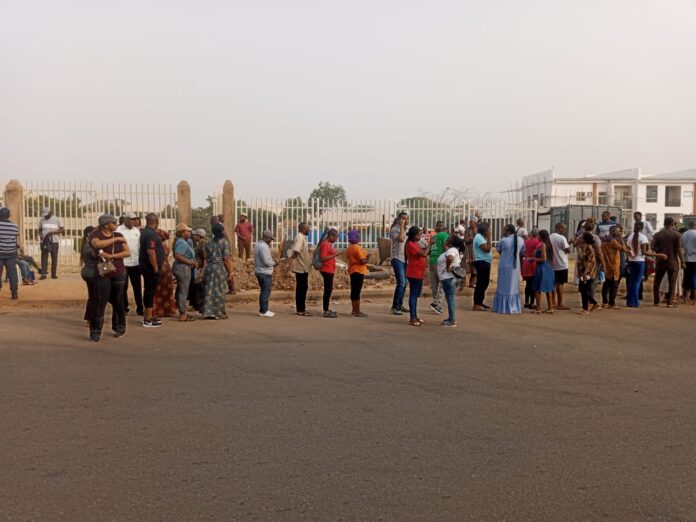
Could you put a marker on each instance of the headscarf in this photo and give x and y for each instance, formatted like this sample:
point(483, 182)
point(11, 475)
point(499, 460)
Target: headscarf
point(218, 231)
point(354, 237)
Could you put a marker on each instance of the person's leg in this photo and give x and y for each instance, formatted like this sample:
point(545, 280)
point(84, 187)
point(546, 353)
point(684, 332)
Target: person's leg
point(636, 269)
point(605, 292)
point(483, 271)
point(247, 247)
point(103, 292)
point(135, 278)
point(118, 307)
point(24, 269)
point(672, 276)
point(449, 287)
point(591, 296)
point(435, 286)
point(400, 290)
point(150, 287)
point(54, 260)
point(328, 289)
point(413, 291)
point(660, 271)
point(537, 301)
point(299, 300)
point(613, 290)
point(263, 301)
point(354, 293)
point(240, 249)
point(690, 280)
point(582, 288)
point(44, 261)
point(360, 280)
point(182, 273)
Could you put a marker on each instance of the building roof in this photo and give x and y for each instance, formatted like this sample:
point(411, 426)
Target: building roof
point(680, 175)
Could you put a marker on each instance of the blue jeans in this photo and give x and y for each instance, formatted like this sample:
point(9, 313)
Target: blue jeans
point(449, 286)
point(265, 294)
point(400, 290)
point(9, 261)
point(24, 269)
point(414, 290)
point(636, 270)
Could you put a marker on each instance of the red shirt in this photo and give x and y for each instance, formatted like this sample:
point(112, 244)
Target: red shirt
point(244, 230)
point(326, 249)
point(415, 263)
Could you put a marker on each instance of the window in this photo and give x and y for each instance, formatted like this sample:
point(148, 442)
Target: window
point(673, 196)
point(542, 200)
point(602, 198)
point(651, 194)
point(579, 196)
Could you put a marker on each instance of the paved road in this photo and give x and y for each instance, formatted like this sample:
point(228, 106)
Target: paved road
point(512, 418)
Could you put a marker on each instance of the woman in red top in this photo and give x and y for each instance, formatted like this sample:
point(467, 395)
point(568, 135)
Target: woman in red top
point(416, 261)
point(528, 267)
point(327, 256)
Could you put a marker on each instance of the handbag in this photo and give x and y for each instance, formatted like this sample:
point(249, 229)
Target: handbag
point(106, 267)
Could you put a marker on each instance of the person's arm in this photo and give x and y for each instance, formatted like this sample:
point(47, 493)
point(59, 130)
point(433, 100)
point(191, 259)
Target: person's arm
point(448, 262)
point(183, 259)
point(99, 244)
point(366, 258)
point(124, 253)
point(566, 247)
point(267, 257)
point(402, 230)
point(488, 245)
point(324, 259)
point(297, 244)
point(542, 257)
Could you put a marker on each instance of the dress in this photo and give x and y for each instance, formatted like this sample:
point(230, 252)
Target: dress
point(215, 286)
point(164, 303)
point(543, 277)
point(507, 295)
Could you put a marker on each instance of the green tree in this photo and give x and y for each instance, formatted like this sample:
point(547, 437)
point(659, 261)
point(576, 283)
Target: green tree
point(329, 193)
point(200, 216)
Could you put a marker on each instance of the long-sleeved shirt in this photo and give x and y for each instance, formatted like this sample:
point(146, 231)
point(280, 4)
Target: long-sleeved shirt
point(263, 261)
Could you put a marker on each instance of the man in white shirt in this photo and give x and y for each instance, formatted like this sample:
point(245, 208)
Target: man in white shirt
point(689, 244)
point(561, 249)
point(521, 231)
point(132, 235)
point(648, 229)
point(50, 230)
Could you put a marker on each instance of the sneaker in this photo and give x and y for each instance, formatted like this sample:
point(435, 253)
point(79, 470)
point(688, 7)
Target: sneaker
point(448, 324)
point(396, 311)
point(435, 308)
point(267, 314)
point(151, 324)
point(155, 320)
point(14, 295)
point(120, 333)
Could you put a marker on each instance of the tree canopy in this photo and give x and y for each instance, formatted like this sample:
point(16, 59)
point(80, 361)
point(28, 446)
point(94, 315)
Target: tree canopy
point(328, 192)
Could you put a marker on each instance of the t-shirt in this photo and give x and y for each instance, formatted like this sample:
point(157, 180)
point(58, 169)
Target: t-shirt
point(415, 264)
point(326, 249)
point(184, 247)
point(604, 226)
point(397, 251)
point(8, 238)
point(668, 242)
point(560, 258)
point(150, 240)
point(637, 256)
point(442, 271)
point(116, 248)
point(132, 236)
point(438, 246)
point(52, 224)
point(300, 263)
point(689, 242)
point(244, 230)
point(355, 255)
point(521, 232)
point(480, 255)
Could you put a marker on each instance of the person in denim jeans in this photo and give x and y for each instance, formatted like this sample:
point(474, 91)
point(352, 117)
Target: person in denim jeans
point(184, 263)
point(263, 268)
point(398, 261)
point(446, 263)
point(9, 234)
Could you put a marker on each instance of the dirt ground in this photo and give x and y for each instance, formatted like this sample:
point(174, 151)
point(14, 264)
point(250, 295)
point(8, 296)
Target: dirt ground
point(504, 418)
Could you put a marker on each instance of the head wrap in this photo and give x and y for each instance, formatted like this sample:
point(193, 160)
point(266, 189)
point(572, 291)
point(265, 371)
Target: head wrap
point(354, 237)
point(218, 231)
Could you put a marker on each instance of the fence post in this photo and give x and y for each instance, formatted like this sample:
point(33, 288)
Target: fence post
point(14, 200)
point(229, 212)
point(183, 202)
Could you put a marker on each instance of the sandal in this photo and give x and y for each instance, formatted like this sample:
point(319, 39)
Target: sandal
point(359, 314)
point(186, 318)
point(550, 312)
point(415, 323)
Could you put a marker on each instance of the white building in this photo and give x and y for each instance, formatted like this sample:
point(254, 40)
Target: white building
point(655, 195)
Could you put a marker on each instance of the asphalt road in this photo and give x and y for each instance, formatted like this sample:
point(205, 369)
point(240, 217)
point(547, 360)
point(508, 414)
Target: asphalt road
point(504, 418)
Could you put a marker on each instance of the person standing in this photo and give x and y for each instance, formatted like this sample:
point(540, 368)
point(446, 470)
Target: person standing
point(218, 274)
point(111, 246)
point(689, 245)
point(357, 269)
point(263, 268)
point(446, 263)
point(151, 260)
point(612, 248)
point(327, 256)
point(529, 267)
point(561, 249)
point(50, 230)
point(604, 226)
point(520, 230)
point(184, 263)
point(437, 247)
point(483, 258)
point(668, 243)
point(544, 277)
point(9, 244)
point(638, 248)
point(648, 230)
point(416, 262)
point(195, 296)
point(300, 267)
point(398, 261)
point(507, 294)
point(469, 261)
point(132, 263)
point(587, 271)
point(165, 303)
point(244, 231)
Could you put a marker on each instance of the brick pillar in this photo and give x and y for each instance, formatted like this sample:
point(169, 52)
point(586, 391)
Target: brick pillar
point(14, 200)
point(183, 202)
point(230, 214)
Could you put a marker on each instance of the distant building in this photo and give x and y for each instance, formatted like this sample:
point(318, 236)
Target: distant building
point(655, 195)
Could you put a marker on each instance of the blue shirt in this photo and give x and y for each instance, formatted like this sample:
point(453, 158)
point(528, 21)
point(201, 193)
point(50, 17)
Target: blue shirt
point(184, 247)
point(480, 255)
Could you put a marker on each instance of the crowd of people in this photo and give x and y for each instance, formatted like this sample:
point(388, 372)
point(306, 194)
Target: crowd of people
point(122, 255)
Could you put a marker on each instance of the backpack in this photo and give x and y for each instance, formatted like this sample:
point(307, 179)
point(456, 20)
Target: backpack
point(316, 257)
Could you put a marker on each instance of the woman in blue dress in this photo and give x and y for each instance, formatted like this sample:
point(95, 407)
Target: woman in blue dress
point(507, 294)
point(544, 281)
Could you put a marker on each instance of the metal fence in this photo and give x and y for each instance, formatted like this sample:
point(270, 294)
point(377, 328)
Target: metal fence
point(79, 204)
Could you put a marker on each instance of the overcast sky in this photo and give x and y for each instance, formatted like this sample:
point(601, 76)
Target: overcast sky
point(382, 97)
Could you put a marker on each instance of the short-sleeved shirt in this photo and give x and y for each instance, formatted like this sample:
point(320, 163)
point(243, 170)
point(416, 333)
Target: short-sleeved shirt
point(326, 249)
point(8, 238)
point(480, 255)
point(521, 232)
point(637, 255)
point(603, 228)
point(300, 263)
point(355, 255)
point(116, 248)
point(689, 243)
point(184, 247)
point(397, 251)
point(132, 236)
point(668, 242)
point(244, 230)
point(52, 224)
point(560, 258)
point(442, 272)
point(438, 247)
point(150, 239)
point(415, 264)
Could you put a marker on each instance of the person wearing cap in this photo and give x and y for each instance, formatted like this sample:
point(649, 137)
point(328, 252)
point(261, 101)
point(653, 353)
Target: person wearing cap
point(195, 296)
point(129, 231)
point(50, 229)
point(244, 231)
point(108, 245)
point(9, 235)
point(397, 233)
point(263, 268)
point(184, 263)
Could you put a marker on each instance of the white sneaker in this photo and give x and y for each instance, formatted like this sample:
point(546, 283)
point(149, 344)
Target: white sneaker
point(267, 314)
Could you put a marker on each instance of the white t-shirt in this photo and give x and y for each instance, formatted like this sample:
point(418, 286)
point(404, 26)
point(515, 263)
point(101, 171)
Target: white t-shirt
point(132, 236)
point(637, 256)
point(560, 257)
point(522, 232)
point(461, 230)
point(442, 271)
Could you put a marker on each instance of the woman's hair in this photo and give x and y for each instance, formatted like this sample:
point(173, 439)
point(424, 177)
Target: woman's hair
point(637, 229)
point(509, 229)
point(412, 233)
point(588, 238)
point(455, 241)
point(589, 224)
point(483, 227)
point(218, 231)
point(86, 233)
point(545, 238)
point(398, 218)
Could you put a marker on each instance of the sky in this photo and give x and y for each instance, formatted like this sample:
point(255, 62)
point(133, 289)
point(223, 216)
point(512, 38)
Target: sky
point(386, 98)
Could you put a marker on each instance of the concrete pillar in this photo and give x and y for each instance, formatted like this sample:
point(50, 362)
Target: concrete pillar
point(183, 202)
point(230, 214)
point(14, 200)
